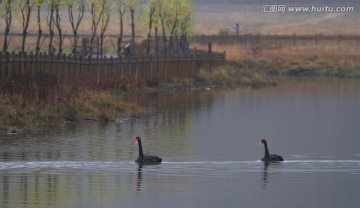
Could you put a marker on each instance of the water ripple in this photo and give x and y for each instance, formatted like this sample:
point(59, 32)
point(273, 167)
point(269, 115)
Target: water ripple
point(195, 167)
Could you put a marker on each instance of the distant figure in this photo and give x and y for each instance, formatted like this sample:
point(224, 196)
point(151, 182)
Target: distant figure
point(146, 159)
point(269, 157)
point(127, 50)
point(237, 27)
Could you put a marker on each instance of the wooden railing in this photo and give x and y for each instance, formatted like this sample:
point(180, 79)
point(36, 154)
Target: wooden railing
point(107, 69)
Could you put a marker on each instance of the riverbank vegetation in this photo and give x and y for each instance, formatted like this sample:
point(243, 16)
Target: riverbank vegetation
point(234, 74)
point(18, 112)
point(332, 59)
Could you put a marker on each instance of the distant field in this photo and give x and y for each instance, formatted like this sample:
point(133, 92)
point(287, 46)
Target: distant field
point(210, 19)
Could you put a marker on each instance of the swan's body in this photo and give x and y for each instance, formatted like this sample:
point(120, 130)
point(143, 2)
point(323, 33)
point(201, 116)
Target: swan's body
point(146, 159)
point(269, 157)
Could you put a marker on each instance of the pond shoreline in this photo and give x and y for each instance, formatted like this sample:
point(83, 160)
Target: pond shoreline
point(105, 106)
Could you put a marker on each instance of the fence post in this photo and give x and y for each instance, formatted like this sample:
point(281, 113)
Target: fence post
point(121, 68)
point(74, 62)
point(51, 62)
point(294, 39)
point(137, 70)
point(7, 64)
point(81, 64)
point(1, 64)
point(151, 67)
point(13, 62)
point(58, 66)
point(21, 63)
point(31, 65)
point(98, 69)
point(209, 47)
point(165, 68)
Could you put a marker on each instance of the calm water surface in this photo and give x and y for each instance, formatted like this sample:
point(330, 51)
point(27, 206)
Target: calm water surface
point(209, 144)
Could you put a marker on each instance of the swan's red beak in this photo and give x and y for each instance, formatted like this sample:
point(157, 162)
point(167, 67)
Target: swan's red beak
point(136, 141)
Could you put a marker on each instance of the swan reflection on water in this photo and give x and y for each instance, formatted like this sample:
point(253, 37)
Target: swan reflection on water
point(139, 174)
point(264, 173)
point(139, 177)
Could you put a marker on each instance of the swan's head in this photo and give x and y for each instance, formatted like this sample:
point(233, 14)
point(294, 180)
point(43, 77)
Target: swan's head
point(263, 141)
point(137, 140)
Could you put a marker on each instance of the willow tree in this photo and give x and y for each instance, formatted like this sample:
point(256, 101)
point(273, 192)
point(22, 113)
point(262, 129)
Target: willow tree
point(179, 17)
point(159, 12)
point(25, 8)
point(8, 12)
point(76, 11)
point(179, 23)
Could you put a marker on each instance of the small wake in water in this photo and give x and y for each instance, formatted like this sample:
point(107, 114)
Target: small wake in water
point(95, 165)
point(213, 167)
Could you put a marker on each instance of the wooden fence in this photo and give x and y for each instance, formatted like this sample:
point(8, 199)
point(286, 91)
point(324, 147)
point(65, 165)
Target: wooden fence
point(110, 70)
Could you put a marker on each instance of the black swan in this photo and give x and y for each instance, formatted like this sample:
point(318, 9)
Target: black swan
point(146, 159)
point(269, 157)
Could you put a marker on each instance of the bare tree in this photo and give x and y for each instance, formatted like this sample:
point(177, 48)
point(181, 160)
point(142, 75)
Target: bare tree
point(39, 3)
point(151, 9)
point(57, 22)
point(105, 19)
point(25, 8)
point(96, 13)
point(121, 10)
point(162, 14)
point(50, 23)
point(78, 7)
point(8, 19)
point(133, 5)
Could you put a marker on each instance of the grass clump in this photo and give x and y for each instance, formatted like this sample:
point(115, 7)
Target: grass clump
point(234, 74)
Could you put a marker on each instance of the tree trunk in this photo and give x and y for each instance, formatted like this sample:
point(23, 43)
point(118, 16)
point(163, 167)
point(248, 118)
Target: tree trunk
point(26, 25)
point(8, 20)
point(51, 30)
point(132, 13)
point(156, 41)
point(39, 30)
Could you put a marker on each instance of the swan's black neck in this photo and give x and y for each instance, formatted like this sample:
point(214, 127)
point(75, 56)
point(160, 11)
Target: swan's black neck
point(266, 149)
point(141, 154)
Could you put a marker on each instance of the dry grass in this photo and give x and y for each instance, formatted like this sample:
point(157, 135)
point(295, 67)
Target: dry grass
point(93, 105)
point(326, 58)
point(234, 74)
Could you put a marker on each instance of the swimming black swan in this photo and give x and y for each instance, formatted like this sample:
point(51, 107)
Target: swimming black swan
point(269, 157)
point(146, 159)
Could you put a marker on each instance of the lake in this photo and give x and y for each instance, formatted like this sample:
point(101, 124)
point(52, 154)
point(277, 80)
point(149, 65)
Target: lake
point(209, 142)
